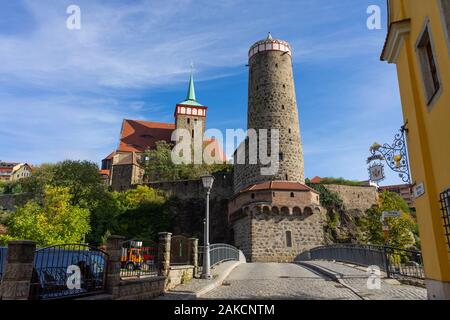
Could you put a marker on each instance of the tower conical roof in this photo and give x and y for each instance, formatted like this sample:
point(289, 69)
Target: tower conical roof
point(190, 97)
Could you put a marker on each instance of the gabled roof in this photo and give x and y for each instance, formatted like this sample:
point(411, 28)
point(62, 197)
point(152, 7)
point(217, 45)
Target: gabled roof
point(138, 136)
point(278, 185)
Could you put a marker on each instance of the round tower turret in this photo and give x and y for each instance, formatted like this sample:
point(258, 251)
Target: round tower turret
point(272, 104)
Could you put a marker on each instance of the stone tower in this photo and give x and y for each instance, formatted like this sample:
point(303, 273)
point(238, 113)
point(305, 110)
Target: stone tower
point(272, 104)
point(273, 217)
point(190, 114)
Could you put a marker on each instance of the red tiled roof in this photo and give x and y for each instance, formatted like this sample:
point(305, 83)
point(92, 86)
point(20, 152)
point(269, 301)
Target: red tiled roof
point(316, 179)
point(6, 170)
point(278, 185)
point(138, 136)
point(104, 172)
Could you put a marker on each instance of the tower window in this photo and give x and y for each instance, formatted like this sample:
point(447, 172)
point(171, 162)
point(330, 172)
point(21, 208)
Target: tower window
point(289, 130)
point(284, 86)
point(430, 75)
point(253, 196)
point(188, 120)
point(192, 133)
point(281, 156)
point(292, 195)
point(276, 65)
point(282, 107)
point(289, 239)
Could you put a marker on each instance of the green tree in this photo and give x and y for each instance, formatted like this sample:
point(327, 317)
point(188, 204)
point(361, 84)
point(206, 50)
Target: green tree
point(401, 229)
point(145, 213)
point(158, 166)
point(53, 221)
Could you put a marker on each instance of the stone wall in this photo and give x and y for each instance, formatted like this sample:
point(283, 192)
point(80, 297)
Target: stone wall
point(10, 201)
point(179, 274)
point(141, 289)
point(354, 197)
point(187, 206)
point(263, 237)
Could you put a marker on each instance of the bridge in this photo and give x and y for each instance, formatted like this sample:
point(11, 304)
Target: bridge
point(338, 272)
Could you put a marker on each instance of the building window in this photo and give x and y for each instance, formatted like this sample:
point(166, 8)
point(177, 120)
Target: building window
point(288, 239)
point(292, 195)
point(192, 134)
point(427, 60)
point(188, 120)
point(253, 196)
point(281, 156)
point(445, 208)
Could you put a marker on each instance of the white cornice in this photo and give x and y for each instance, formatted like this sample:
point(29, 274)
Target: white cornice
point(395, 39)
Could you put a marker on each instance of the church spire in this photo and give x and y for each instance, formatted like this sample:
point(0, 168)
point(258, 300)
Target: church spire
point(191, 89)
point(190, 98)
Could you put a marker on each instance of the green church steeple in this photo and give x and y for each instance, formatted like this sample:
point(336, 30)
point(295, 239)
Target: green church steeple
point(190, 98)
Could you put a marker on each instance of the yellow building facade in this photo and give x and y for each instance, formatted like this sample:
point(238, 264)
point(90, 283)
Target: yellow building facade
point(418, 42)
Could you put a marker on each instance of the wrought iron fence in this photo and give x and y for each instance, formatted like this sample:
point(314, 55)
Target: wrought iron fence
point(68, 270)
point(180, 251)
point(397, 263)
point(219, 252)
point(3, 252)
point(139, 259)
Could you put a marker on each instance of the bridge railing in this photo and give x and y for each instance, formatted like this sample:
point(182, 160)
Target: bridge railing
point(397, 263)
point(220, 252)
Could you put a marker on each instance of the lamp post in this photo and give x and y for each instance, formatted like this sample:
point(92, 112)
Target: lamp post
point(208, 181)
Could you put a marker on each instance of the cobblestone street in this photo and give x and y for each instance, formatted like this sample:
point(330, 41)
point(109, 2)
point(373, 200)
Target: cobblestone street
point(290, 281)
point(278, 281)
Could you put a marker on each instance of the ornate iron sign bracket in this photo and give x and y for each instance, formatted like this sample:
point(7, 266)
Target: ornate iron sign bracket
point(395, 155)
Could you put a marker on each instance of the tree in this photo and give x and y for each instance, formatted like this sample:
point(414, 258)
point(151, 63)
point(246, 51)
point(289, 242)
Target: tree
point(158, 166)
point(401, 229)
point(54, 221)
point(145, 213)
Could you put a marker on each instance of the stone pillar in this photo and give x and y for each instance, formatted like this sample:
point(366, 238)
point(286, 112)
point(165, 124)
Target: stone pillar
point(194, 254)
point(114, 250)
point(18, 271)
point(164, 253)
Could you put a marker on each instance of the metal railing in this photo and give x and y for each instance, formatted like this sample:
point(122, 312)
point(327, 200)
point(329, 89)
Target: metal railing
point(68, 270)
point(139, 259)
point(397, 263)
point(3, 254)
point(219, 252)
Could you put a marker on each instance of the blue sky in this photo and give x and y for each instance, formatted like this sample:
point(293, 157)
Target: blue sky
point(63, 93)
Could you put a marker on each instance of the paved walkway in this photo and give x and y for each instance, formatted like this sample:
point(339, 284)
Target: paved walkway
point(195, 287)
point(278, 281)
point(356, 278)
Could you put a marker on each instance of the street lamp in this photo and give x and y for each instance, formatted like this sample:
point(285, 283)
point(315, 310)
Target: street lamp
point(208, 181)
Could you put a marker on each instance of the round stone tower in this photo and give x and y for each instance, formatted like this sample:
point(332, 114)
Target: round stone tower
point(272, 104)
point(273, 217)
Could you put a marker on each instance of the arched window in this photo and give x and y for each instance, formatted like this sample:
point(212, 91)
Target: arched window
point(292, 195)
point(289, 239)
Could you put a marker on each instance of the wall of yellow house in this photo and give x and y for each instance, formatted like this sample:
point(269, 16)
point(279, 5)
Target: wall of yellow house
point(429, 128)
